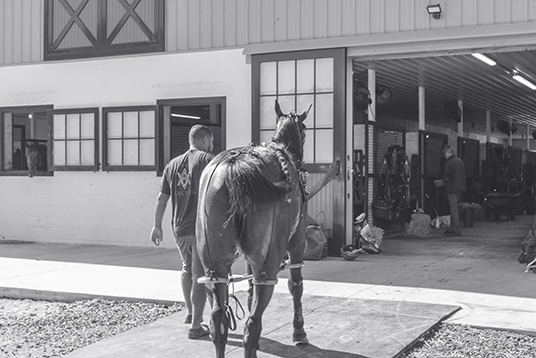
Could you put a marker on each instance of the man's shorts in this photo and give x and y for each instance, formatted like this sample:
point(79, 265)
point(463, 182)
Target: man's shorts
point(191, 264)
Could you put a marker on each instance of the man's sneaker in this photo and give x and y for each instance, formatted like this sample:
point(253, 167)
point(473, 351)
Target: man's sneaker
point(188, 319)
point(196, 333)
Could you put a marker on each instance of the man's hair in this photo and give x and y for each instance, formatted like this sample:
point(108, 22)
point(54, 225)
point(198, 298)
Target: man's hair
point(198, 132)
point(448, 149)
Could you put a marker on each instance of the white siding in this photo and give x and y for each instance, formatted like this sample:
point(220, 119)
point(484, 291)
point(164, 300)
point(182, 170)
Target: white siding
point(113, 208)
point(209, 24)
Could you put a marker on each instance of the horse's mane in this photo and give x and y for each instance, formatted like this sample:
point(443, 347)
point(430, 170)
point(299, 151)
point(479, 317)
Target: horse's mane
point(247, 178)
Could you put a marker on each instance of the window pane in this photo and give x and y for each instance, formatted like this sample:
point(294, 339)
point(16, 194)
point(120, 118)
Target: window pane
point(306, 76)
point(324, 146)
point(324, 75)
point(286, 77)
point(268, 117)
point(87, 126)
point(268, 77)
point(147, 124)
point(303, 102)
point(115, 152)
point(147, 152)
point(130, 124)
point(59, 153)
point(115, 125)
point(266, 136)
point(88, 152)
point(73, 126)
point(131, 152)
point(59, 126)
point(287, 104)
point(73, 153)
point(324, 110)
point(308, 149)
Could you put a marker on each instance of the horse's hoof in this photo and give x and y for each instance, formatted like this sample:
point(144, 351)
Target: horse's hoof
point(301, 342)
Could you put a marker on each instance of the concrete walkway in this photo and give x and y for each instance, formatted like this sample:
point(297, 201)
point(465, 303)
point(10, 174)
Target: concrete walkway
point(349, 305)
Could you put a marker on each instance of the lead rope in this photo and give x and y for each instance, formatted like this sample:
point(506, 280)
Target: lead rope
point(234, 315)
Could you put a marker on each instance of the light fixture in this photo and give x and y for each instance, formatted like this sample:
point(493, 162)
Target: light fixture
point(434, 10)
point(185, 116)
point(523, 80)
point(30, 115)
point(484, 59)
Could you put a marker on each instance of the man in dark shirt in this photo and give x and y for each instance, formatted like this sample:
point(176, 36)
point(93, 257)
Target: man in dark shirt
point(454, 178)
point(180, 181)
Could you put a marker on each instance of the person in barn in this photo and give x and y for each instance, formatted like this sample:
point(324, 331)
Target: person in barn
point(180, 181)
point(454, 179)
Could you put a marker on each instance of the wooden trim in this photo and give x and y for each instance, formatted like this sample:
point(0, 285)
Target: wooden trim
point(80, 111)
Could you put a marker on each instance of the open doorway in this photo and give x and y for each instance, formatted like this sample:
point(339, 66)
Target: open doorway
point(179, 115)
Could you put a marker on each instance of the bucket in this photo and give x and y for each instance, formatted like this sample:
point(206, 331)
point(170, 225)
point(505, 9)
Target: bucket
point(469, 217)
point(380, 209)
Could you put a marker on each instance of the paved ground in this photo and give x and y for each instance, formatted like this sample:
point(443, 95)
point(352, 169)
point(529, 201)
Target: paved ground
point(349, 306)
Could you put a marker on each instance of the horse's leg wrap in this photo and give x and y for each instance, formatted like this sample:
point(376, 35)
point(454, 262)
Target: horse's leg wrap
point(296, 289)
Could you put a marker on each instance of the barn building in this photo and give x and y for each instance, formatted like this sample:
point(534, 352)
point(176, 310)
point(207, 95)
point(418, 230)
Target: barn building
point(104, 92)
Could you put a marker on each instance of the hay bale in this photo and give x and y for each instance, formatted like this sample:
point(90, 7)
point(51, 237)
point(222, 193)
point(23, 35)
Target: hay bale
point(419, 225)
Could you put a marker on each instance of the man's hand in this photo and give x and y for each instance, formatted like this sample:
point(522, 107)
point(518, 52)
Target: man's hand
point(156, 235)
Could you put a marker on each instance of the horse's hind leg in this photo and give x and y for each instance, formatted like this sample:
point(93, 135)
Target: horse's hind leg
point(252, 330)
point(219, 322)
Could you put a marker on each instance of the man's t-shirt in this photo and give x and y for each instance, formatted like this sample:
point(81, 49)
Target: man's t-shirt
point(180, 180)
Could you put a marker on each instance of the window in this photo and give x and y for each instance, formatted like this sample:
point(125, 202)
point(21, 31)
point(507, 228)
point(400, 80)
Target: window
point(24, 140)
point(129, 138)
point(296, 83)
point(96, 28)
point(75, 139)
point(179, 115)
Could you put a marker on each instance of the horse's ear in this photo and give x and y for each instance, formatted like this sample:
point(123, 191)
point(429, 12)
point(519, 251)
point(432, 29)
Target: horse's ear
point(304, 114)
point(278, 111)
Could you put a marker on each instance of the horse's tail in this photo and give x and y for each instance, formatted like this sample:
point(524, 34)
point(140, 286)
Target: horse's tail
point(248, 183)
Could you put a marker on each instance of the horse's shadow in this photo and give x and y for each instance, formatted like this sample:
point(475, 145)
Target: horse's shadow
point(281, 350)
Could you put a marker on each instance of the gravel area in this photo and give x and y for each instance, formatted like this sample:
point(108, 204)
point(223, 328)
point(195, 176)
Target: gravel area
point(42, 329)
point(459, 341)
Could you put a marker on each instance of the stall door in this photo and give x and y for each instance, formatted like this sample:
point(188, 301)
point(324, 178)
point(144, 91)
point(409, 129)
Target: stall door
point(430, 150)
point(469, 152)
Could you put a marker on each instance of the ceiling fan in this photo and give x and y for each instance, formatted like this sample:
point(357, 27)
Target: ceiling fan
point(504, 127)
point(453, 112)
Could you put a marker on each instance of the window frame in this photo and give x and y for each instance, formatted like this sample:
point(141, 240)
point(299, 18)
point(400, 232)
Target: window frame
point(101, 46)
point(24, 109)
point(105, 111)
point(50, 115)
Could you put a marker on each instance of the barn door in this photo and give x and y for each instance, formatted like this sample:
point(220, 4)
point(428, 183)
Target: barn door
point(296, 80)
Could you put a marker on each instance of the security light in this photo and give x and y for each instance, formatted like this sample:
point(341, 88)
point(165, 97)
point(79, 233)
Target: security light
point(434, 10)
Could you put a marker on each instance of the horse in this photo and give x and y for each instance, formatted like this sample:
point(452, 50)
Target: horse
point(252, 201)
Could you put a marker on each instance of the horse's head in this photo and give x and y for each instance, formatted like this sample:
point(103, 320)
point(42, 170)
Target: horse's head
point(291, 131)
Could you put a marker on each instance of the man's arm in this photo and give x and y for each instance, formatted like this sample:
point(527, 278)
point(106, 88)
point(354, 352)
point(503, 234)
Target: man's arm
point(159, 210)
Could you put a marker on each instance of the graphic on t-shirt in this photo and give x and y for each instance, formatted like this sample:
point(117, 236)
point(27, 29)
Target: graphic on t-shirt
point(184, 178)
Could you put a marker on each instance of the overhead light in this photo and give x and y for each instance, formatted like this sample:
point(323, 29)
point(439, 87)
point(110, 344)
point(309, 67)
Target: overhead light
point(484, 59)
point(434, 10)
point(524, 81)
point(185, 116)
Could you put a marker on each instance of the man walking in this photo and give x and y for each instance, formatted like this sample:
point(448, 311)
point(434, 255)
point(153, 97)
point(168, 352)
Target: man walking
point(454, 178)
point(180, 181)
